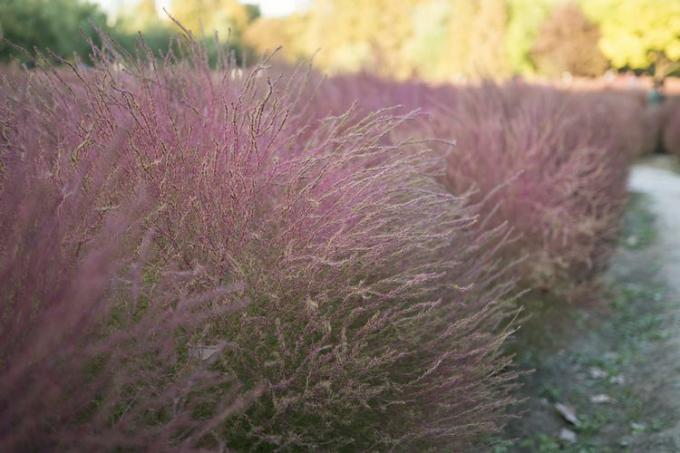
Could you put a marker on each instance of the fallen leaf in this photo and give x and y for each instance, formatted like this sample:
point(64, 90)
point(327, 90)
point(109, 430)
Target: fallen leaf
point(611, 356)
point(206, 352)
point(620, 380)
point(600, 399)
point(597, 373)
point(568, 413)
point(638, 427)
point(568, 435)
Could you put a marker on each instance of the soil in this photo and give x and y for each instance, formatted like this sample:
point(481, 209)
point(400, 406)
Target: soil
point(605, 375)
point(663, 187)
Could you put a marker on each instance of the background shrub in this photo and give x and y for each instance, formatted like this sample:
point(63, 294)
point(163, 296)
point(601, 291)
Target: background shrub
point(551, 163)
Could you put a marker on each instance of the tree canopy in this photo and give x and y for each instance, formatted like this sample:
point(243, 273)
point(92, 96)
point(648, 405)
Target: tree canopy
point(66, 27)
point(567, 42)
point(57, 25)
point(433, 39)
point(443, 39)
point(638, 34)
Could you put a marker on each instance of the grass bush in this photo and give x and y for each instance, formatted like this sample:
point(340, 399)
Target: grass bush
point(552, 165)
point(240, 269)
point(99, 328)
point(635, 127)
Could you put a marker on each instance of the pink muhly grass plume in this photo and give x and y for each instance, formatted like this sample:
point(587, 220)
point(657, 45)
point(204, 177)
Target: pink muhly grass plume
point(375, 306)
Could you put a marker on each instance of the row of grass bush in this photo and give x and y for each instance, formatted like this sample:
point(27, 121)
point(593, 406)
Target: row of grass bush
point(549, 163)
point(195, 257)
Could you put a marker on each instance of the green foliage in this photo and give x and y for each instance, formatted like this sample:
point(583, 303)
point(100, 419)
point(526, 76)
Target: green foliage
point(48, 24)
point(639, 229)
point(59, 26)
point(638, 33)
point(524, 20)
point(143, 18)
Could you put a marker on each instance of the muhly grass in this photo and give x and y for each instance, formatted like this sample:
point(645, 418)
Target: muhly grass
point(564, 170)
point(551, 164)
point(671, 126)
point(195, 257)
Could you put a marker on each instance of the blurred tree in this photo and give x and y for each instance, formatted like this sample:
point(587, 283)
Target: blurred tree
point(442, 39)
point(57, 25)
point(430, 40)
point(360, 34)
point(266, 34)
point(460, 39)
point(143, 18)
point(488, 53)
point(638, 34)
point(159, 34)
point(253, 11)
point(567, 42)
point(228, 18)
point(475, 40)
point(436, 39)
point(524, 20)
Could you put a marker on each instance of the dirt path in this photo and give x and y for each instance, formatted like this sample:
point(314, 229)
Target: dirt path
point(662, 186)
point(606, 376)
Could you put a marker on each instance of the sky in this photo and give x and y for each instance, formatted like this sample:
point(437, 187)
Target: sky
point(268, 7)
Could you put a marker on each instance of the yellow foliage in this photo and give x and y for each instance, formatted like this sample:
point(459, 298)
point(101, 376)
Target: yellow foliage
point(446, 39)
point(266, 34)
point(637, 33)
point(205, 17)
point(360, 34)
point(143, 16)
point(435, 39)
